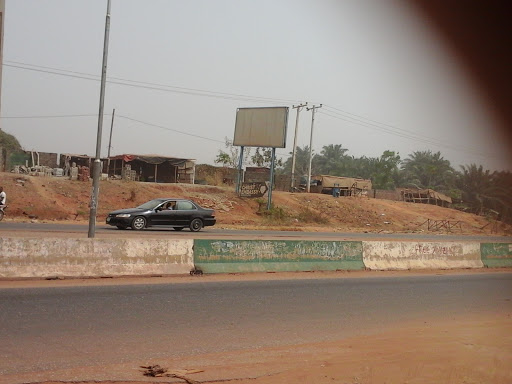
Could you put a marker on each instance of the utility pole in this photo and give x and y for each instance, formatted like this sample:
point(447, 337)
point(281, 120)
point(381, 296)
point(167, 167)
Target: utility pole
point(97, 162)
point(110, 140)
point(314, 108)
point(299, 108)
point(111, 128)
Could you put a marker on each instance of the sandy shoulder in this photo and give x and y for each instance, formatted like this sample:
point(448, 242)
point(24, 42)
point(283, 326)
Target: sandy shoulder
point(453, 350)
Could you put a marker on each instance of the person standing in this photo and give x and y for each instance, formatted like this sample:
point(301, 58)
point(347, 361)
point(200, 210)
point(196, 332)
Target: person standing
point(3, 196)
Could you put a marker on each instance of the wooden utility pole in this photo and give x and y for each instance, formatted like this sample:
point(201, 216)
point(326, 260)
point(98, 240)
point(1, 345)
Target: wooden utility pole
point(314, 108)
point(299, 108)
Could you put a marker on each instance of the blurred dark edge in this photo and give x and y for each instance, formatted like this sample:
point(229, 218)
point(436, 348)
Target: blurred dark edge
point(479, 32)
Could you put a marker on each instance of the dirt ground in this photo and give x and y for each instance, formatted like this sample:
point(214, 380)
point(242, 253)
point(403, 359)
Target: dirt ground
point(44, 199)
point(452, 350)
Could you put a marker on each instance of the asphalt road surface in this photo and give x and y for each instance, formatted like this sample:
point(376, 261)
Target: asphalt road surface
point(78, 230)
point(65, 327)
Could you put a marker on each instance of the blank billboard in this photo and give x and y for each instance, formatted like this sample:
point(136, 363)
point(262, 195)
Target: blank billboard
point(261, 127)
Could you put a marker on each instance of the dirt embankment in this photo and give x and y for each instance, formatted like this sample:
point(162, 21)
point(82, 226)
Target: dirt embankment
point(58, 199)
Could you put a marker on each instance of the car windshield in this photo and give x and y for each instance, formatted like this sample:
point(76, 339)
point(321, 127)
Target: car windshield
point(150, 204)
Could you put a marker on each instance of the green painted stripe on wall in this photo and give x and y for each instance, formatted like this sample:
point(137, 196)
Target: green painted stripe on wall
point(496, 254)
point(228, 256)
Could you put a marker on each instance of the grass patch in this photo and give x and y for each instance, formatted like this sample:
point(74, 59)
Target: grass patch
point(274, 214)
point(307, 215)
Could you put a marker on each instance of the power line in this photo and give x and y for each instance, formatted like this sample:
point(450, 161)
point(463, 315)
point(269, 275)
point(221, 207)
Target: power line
point(169, 129)
point(388, 127)
point(410, 136)
point(335, 112)
point(206, 93)
point(48, 116)
point(400, 132)
point(147, 85)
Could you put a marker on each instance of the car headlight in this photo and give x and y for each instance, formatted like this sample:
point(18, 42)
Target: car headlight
point(123, 215)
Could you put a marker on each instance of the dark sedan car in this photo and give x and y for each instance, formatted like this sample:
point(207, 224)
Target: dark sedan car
point(177, 213)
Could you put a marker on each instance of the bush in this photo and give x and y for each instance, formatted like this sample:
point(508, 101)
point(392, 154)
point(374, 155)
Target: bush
point(276, 214)
point(307, 215)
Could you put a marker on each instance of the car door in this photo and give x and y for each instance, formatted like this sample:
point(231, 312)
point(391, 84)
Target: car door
point(164, 214)
point(185, 211)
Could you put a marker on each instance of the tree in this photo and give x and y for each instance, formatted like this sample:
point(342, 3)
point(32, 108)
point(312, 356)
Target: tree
point(263, 158)
point(483, 191)
point(384, 170)
point(301, 162)
point(474, 183)
point(330, 159)
point(9, 142)
point(231, 158)
point(424, 169)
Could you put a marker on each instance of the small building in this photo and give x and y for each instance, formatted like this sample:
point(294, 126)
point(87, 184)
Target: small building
point(347, 186)
point(79, 160)
point(425, 196)
point(151, 168)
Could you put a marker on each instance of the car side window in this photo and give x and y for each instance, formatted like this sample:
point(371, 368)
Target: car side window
point(184, 205)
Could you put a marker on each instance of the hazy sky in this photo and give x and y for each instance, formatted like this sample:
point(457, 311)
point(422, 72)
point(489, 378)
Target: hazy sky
point(178, 70)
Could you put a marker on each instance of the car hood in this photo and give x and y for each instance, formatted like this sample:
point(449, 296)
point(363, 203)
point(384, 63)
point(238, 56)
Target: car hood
point(127, 210)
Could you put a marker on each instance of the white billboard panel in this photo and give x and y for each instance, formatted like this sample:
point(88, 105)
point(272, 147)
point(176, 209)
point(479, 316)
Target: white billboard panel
point(261, 127)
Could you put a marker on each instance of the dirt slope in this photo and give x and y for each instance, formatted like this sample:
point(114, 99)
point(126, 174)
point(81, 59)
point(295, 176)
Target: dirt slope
point(57, 199)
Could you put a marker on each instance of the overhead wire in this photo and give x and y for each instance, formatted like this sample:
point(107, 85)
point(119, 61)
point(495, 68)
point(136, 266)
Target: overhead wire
point(147, 85)
point(168, 129)
point(410, 136)
point(50, 116)
point(332, 111)
point(385, 127)
point(176, 130)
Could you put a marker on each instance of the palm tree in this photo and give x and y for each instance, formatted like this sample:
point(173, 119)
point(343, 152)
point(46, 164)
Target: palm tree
point(301, 162)
point(330, 158)
point(474, 183)
point(483, 191)
point(384, 170)
point(424, 169)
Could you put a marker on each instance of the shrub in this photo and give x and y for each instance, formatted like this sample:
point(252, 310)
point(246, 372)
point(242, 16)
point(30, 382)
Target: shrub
point(307, 215)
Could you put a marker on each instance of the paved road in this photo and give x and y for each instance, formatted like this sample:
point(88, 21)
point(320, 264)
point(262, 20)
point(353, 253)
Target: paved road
point(27, 229)
point(48, 328)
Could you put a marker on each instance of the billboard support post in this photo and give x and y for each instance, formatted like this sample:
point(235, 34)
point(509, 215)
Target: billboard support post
point(239, 178)
point(271, 186)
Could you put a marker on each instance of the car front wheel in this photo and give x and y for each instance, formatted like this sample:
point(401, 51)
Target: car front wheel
point(139, 223)
point(196, 225)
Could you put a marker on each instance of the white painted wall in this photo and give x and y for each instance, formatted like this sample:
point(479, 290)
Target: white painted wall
point(26, 257)
point(387, 255)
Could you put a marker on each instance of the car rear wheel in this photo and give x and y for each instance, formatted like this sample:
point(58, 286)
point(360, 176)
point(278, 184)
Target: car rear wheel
point(178, 228)
point(196, 225)
point(139, 223)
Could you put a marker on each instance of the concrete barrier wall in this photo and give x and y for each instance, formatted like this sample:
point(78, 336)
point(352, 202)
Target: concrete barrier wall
point(26, 257)
point(387, 255)
point(496, 254)
point(230, 256)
